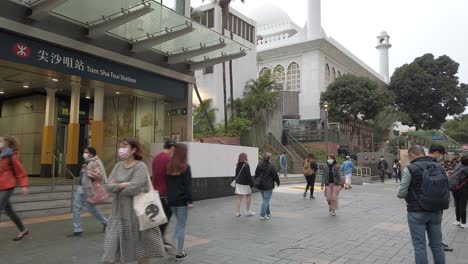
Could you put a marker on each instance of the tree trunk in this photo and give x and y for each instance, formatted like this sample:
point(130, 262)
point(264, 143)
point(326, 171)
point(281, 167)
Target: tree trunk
point(225, 12)
point(231, 80)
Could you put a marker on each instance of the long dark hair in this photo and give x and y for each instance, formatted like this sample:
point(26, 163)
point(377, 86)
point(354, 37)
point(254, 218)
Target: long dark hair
point(333, 158)
point(178, 163)
point(134, 144)
point(242, 158)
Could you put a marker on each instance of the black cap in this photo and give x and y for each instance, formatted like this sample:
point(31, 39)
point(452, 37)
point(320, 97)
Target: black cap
point(169, 144)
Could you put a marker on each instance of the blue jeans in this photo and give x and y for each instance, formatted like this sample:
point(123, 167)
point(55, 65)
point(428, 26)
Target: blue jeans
point(284, 170)
point(181, 214)
point(265, 210)
point(79, 202)
point(420, 223)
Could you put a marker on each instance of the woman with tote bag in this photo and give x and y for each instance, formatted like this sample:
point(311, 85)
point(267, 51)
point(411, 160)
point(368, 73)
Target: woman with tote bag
point(124, 242)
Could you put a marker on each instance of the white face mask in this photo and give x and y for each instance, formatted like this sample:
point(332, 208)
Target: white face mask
point(85, 156)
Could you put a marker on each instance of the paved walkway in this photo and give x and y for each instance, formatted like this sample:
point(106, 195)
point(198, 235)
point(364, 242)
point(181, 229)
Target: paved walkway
point(370, 228)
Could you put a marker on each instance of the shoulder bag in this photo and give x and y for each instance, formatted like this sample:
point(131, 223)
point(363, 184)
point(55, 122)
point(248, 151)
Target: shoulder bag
point(233, 183)
point(148, 208)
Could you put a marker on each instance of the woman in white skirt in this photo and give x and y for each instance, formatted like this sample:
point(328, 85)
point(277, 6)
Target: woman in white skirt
point(244, 184)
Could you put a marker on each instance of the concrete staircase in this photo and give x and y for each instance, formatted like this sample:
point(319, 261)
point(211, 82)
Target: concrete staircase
point(43, 200)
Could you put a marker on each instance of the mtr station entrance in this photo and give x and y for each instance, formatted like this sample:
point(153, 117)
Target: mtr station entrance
point(55, 115)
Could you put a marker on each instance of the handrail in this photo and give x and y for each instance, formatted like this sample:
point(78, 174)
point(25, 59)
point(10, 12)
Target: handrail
point(277, 144)
point(298, 147)
point(72, 200)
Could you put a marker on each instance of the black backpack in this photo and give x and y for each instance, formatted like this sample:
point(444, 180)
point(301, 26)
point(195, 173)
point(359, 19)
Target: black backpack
point(434, 187)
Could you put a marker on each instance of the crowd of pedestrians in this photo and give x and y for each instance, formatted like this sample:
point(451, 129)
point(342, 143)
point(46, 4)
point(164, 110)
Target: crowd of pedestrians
point(425, 184)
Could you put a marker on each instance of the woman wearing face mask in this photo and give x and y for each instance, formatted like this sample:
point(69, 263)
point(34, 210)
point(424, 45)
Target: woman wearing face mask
point(123, 241)
point(12, 173)
point(331, 179)
point(179, 195)
point(93, 170)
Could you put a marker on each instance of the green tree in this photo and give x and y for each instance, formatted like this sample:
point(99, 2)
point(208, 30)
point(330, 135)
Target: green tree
point(457, 129)
point(201, 125)
point(353, 97)
point(428, 90)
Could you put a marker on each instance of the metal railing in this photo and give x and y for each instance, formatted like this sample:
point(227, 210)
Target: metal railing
point(297, 147)
point(276, 144)
point(64, 167)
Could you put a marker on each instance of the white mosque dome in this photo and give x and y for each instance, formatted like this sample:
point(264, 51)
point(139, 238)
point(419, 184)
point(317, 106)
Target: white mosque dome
point(269, 14)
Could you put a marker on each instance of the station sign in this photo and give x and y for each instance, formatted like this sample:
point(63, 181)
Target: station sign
point(47, 56)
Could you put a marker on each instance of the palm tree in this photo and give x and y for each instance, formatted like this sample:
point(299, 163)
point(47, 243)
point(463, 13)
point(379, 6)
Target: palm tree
point(261, 99)
point(224, 4)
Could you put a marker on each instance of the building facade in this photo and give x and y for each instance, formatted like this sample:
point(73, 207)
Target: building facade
point(210, 80)
point(79, 73)
point(304, 59)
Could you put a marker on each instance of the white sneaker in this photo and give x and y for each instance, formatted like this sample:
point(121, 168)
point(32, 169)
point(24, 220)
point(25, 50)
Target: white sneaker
point(457, 223)
point(264, 218)
point(463, 226)
point(249, 213)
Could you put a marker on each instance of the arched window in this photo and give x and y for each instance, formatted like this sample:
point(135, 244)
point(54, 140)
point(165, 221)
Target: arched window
point(265, 72)
point(334, 73)
point(279, 76)
point(294, 77)
point(327, 72)
point(339, 74)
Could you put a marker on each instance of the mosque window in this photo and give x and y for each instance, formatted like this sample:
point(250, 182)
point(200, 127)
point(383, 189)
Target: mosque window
point(327, 72)
point(265, 72)
point(339, 74)
point(242, 28)
point(279, 76)
point(294, 77)
point(334, 73)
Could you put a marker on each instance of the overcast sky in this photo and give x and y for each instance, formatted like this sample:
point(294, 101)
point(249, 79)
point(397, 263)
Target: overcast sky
point(416, 27)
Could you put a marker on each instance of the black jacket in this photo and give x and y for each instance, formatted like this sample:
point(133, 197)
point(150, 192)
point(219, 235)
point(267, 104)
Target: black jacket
point(179, 189)
point(383, 165)
point(412, 203)
point(245, 178)
point(267, 171)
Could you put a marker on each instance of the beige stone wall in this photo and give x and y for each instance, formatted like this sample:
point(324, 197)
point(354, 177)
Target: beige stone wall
point(24, 119)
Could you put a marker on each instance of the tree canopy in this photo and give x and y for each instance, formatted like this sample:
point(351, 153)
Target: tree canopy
point(457, 129)
point(351, 96)
point(428, 91)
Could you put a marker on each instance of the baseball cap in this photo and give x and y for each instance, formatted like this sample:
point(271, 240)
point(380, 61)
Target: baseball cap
point(169, 143)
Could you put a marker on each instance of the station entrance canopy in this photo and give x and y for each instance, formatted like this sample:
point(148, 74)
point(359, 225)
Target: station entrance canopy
point(145, 25)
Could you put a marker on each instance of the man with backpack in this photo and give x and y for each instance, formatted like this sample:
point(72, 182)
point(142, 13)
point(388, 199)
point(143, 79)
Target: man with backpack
point(424, 186)
point(310, 173)
point(437, 152)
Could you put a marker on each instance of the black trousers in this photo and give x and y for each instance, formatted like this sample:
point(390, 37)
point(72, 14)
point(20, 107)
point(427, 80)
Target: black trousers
point(5, 205)
point(461, 200)
point(382, 175)
point(168, 212)
point(310, 183)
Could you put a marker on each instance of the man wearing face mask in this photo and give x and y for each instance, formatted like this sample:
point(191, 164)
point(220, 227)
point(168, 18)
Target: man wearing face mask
point(92, 170)
point(437, 152)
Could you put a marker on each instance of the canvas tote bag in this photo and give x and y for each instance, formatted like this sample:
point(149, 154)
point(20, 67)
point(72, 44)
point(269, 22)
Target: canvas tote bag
point(148, 208)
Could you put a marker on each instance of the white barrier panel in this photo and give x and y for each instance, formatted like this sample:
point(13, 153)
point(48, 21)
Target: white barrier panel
point(214, 160)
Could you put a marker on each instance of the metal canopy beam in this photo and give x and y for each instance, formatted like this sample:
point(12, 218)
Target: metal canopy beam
point(182, 57)
point(210, 62)
point(41, 10)
point(100, 29)
point(156, 40)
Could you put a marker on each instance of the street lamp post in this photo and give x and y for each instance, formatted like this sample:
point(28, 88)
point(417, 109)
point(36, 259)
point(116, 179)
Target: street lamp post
point(325, 110)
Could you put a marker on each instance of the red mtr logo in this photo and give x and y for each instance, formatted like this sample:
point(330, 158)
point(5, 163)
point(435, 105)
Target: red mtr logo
point(21, 50)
